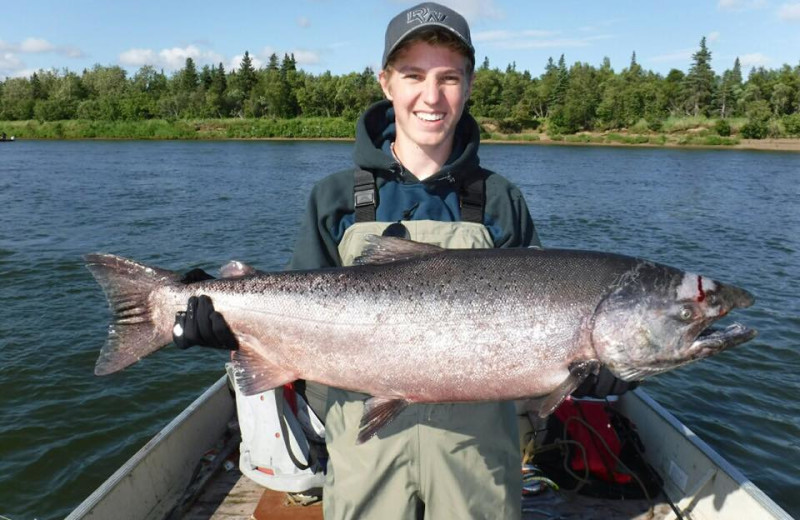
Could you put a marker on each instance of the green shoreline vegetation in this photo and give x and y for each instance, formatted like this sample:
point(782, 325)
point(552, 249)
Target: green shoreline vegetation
point(581, 104)
point(700, 132)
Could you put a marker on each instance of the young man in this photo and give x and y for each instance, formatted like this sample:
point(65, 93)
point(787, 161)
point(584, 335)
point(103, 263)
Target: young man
point(417, 175)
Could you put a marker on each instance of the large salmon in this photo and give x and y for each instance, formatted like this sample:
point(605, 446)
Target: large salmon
point(417, 323)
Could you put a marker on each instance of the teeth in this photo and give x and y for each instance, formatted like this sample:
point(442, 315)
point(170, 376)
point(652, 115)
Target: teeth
point(429, 117)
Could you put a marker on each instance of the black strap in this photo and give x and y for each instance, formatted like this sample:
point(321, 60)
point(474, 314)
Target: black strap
point(365, 196)
point(472, 196)
point(279, 401)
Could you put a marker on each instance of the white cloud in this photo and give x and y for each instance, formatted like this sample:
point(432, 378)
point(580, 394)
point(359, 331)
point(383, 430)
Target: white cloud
point(304, 57)
point(533, 39)
point(740, 5)
point(9, 61)
point(475, 10)
point(170, 59)
point(36, 45)
point(789, 12)
point(713, 36)
point(175, 58)
point(137, 57)
point(754, 59)
point(40, 46)
point(303, 22)
point(501, 35)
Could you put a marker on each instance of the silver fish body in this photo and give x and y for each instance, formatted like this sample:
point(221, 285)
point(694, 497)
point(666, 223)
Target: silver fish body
point(416, 323)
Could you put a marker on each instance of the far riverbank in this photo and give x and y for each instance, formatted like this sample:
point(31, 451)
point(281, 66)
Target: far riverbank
point(341, 128)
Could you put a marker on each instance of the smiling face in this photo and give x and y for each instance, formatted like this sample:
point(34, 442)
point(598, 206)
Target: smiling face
point(428, 86)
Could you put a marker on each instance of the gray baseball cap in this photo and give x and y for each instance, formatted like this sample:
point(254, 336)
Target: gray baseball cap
point(425, 16)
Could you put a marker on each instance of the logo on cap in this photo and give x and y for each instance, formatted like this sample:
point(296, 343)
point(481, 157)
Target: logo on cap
point(425, 15)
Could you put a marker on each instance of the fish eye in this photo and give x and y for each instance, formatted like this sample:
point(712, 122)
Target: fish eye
point(712, 299)
point(686, 313)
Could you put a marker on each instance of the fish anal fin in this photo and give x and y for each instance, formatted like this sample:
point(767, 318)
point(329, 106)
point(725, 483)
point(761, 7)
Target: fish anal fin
point(578, 372)
point(253, 369)
point(384, 250)
point(378, 412)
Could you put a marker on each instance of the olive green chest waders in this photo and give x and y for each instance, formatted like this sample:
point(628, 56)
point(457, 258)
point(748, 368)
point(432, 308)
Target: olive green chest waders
point(451, 460)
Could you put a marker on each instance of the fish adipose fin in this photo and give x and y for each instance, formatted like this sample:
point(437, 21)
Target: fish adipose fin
point(133, 333)
point(378, 412)
point(254, 372)
point(385, 250)
point(578, 372)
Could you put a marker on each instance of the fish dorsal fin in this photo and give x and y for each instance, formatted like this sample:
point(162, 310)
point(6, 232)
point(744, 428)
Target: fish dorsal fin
point(236, 269)
point(384, 250)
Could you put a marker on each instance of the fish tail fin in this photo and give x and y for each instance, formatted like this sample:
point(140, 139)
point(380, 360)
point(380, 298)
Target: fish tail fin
point(134, 331)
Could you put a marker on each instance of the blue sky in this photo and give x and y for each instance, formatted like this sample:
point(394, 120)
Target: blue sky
point(348, 36)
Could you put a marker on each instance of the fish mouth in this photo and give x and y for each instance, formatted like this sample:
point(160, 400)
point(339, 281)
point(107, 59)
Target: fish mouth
point(716, 339)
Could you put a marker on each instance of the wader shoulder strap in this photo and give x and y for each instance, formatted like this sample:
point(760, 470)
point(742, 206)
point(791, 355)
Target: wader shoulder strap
point(472, 196)
point(365, 196)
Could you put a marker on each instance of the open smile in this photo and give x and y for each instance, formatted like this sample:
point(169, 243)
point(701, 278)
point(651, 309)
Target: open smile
point(429, 117)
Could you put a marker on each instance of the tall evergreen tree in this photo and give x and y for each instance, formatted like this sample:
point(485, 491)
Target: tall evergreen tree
point(188, 77)
point(699, 82)
point(730, 90)
point(246, 76)
point(560, 75)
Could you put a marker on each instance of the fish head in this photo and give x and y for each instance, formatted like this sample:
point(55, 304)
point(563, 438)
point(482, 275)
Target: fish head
point(657, 318)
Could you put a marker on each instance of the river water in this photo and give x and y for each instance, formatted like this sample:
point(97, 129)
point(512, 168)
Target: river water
point(731, 215)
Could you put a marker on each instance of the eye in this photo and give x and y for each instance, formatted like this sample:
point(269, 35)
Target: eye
point(712, 299)
point(686, 313)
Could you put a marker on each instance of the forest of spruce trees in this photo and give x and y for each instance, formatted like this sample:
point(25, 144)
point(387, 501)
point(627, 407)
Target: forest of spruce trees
point(563, 100)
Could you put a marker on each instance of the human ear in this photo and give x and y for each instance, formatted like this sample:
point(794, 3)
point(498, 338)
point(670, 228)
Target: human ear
point(468, 91)
point(383, 78)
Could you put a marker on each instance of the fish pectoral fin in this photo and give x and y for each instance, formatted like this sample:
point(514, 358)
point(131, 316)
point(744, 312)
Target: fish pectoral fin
point(384, 250)
point(378, 412)
point(578, 372)
point(254, 372)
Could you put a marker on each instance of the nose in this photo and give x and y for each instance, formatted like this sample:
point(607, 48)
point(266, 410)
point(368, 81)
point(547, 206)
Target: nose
point(431, 93)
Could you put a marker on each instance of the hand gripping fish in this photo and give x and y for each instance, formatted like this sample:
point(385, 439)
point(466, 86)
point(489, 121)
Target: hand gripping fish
point(414, 323)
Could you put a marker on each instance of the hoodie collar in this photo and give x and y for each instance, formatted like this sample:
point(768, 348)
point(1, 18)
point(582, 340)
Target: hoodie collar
point(375, 130)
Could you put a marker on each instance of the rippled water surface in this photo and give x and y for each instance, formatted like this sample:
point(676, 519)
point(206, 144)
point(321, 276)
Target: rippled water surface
point(731, 215)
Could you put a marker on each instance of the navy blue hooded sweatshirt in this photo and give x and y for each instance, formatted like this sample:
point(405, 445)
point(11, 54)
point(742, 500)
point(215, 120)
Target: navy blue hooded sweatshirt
point(401, 196)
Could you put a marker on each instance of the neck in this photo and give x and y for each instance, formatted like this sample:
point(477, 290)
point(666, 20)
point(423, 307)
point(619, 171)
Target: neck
point(423, 162)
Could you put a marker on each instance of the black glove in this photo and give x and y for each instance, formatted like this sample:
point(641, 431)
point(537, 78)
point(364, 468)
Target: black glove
point(603, 384)
point(202, 325)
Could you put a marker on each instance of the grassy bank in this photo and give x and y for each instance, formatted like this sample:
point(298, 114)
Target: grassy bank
point(672, 132)
point(322, 128)
point(618, 138)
